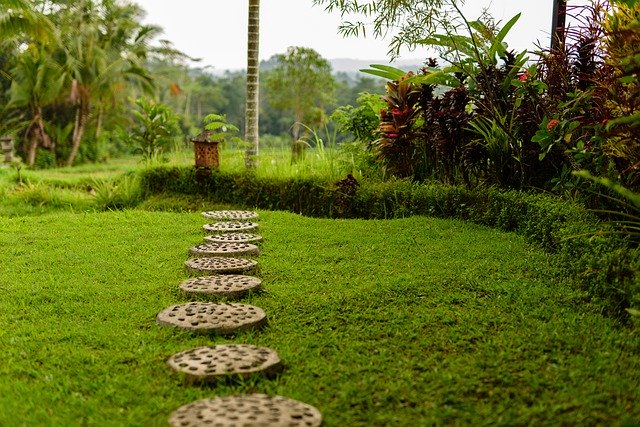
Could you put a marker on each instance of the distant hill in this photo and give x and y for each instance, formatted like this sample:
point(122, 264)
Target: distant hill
point(346, 65)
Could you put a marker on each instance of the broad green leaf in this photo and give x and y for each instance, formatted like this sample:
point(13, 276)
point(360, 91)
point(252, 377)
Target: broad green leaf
point(507, 27)
point(380, 73)
point(385, 71)
point(497, 47)
point(387, 68)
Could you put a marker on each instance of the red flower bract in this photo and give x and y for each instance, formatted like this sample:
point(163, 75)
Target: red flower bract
point(552, 123)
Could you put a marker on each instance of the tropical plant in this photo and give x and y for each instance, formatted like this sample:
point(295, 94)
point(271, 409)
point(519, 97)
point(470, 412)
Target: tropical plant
point(482, 100)
point(220, 130)
point(395, 145)
point(360, 121)
point(446, 132)
point(155, 130)
point(360, 124)
point(622, 30)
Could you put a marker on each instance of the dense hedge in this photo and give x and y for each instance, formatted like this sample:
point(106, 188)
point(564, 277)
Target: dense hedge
point(605, 264)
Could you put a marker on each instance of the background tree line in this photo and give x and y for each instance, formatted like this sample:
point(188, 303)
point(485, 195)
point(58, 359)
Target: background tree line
point(71, 72)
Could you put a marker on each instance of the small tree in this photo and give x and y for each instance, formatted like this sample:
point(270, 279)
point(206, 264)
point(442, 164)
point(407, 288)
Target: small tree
point(303, 85)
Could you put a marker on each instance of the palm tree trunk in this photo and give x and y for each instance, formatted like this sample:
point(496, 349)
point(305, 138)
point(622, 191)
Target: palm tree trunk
point(253, 73)
point(78, 132)
point(99, 121)
point(36, 136)
point(45, 140)
point(32, 148)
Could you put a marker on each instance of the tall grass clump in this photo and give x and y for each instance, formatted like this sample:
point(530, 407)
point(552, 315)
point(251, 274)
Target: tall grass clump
point(122, 193)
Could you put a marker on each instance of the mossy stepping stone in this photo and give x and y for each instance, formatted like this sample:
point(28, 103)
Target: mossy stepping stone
point(234, 238)
point(219, 265)
point(231, 286)
point(207, 364)
point(224, 250)
point(230, 226)
point(231, 215)
point(246, 410)
point(211, 317)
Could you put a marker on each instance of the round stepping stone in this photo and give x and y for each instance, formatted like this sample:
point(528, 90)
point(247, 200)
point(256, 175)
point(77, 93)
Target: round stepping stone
point(226, 285)
point(211, 317)
point(224, 250)
point(204, 364)
point(219, 265)
point(233, 238)
point(246, 410)
point(231, 215)
point(230, 226)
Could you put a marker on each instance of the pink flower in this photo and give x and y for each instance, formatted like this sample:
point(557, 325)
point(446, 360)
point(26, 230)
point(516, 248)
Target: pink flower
point(524, 76)
point(552, 123)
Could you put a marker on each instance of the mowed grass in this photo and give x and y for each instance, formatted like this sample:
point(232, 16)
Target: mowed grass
point(407, 322)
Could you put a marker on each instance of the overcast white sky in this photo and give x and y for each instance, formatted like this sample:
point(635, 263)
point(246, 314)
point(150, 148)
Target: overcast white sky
point(216, 30)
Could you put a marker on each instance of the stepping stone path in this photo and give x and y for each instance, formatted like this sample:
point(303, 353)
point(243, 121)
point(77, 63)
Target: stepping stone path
point(224, 249)
point(246, 410)
point(231, 215)
point(233, 238)
point(222, 319)
point(219, 264)
point(231, 286)
point(230, 226)
point(205, 364)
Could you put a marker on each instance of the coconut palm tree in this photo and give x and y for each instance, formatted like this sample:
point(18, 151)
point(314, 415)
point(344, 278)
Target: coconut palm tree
point(105, 52)
point(38, 82)
point(253, 71)
point(19, 19)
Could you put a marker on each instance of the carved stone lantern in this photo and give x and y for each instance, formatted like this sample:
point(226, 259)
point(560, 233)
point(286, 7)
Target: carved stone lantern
point(207, 151)
point(6, 142)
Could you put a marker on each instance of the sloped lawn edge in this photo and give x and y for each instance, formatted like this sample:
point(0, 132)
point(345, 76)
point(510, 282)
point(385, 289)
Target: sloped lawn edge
point(604, 264)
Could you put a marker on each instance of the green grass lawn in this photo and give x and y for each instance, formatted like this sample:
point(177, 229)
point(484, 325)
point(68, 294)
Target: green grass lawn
point(408, 322)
